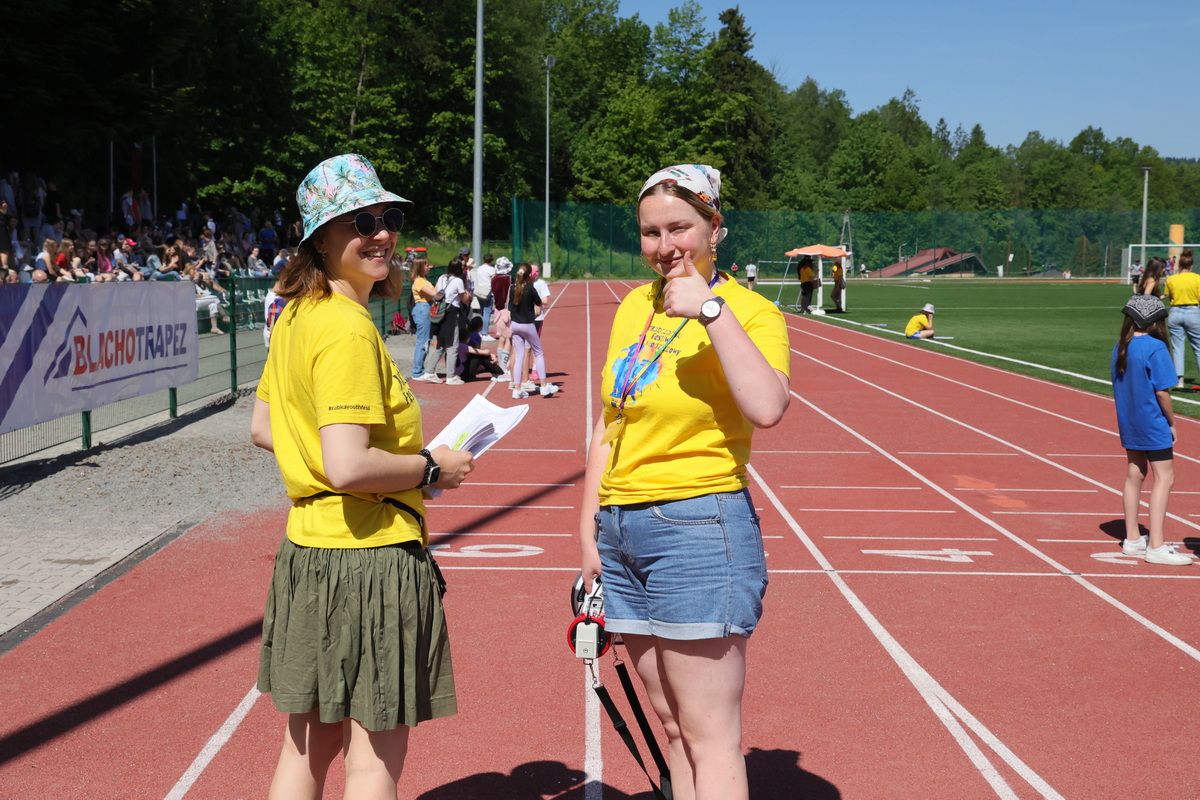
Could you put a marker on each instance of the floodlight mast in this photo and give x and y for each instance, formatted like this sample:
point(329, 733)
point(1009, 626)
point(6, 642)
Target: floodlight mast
point(1145, 204)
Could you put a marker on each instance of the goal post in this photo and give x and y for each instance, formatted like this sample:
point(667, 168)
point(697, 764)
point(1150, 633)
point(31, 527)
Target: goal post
point(1135, 257)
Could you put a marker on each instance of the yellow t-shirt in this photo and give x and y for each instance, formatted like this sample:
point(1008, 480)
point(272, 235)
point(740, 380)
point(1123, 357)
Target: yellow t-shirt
point(806, 274)
point(1183, 289)
point(327, 365)
point(918, 323)
point(417, 286)
point(683, 434)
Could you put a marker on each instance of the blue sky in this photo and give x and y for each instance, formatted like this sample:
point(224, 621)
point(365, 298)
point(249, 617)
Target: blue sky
point(1129, 68)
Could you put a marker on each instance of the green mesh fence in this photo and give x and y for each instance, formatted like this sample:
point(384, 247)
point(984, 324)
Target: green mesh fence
point(602, 240)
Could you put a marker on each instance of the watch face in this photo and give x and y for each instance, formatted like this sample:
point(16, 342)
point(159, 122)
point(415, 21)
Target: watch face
point(710, 308)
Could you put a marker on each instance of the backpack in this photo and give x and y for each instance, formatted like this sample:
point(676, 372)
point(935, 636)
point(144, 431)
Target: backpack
point(438, 305)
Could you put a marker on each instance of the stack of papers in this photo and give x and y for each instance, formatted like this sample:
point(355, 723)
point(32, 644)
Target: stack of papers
point(476, 428)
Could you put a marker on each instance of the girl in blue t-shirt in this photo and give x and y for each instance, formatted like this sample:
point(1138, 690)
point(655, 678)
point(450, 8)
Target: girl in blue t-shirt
point(1142, 375)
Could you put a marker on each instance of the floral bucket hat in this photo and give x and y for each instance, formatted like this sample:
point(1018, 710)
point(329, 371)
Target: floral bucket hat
point(337, 186)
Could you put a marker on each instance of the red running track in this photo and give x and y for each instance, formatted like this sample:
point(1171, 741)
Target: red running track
point(949, 614)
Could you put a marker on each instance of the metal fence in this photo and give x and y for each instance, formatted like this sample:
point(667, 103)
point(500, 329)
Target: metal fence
point(229, 360)
point(602, 240)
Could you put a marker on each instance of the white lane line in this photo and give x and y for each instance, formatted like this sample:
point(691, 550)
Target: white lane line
point(522, 484)
point(455, 535)
point(1051, 513)
point(944, 707)
point(815, 452)
point(859, 488)
point(1059, 491)
point(1085, 455)
point(884, 510)
point(936, 453)
point(593, 756)
point(919, 538)
point(1006, 398)
point(899, 573)
point(461, 505)
point(213, 746)
point(1166, 635)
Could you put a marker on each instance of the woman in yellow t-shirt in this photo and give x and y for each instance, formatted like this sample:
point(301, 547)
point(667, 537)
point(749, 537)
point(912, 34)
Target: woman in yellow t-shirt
point(422, 292)
point(1183, 290)
point(354, 644)
point(696, 362)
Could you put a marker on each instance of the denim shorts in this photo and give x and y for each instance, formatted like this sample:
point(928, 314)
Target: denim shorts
point(684, 569)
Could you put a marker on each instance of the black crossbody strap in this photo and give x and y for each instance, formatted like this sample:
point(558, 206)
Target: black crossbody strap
point(627, 737)
point(391, 501)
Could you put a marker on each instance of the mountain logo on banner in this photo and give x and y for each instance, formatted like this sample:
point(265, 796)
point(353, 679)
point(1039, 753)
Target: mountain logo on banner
point(61, 365)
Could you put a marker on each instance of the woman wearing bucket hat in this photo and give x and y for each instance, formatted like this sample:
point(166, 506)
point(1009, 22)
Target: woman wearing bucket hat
point(354, 637)
point(921, 324)
point(695, 364)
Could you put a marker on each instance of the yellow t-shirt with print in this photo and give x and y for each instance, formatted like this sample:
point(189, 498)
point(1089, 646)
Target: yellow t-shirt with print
point(1183, 289)
point(918, 323)
point(328, 365)
point(683, 434)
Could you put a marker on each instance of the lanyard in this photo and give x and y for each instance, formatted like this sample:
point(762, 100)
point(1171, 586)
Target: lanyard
point(634, 374)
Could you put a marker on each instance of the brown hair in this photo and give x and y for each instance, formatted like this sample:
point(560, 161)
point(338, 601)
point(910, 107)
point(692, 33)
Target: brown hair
point(1185, 259)
point(307, 276)
point(1157, 329)
point(684, 194)
point(520, 280)
point(418, 268)
point(1154, 270)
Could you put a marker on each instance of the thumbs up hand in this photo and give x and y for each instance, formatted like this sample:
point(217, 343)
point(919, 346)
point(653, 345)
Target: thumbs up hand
point(685, 293)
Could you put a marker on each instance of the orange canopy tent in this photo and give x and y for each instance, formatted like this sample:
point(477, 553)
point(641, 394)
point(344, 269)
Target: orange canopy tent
point(822, 250)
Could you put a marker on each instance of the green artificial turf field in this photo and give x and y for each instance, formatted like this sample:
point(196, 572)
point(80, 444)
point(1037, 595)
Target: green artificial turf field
point(1064, 325)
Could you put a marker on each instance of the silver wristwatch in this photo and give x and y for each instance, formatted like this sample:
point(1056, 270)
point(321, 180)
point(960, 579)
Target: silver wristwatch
point(711, 309)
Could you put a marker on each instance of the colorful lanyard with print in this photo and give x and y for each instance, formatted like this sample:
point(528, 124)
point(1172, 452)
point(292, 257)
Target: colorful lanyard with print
point(613, 429)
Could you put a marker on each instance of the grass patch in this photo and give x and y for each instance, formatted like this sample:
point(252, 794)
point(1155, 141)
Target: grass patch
point(1066, 325)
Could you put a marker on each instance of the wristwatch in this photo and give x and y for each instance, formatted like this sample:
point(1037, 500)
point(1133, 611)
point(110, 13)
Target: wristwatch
point(711, 309)
point(433, 472)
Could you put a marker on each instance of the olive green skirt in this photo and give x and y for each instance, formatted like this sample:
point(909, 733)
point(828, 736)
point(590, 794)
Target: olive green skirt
point(357, 633)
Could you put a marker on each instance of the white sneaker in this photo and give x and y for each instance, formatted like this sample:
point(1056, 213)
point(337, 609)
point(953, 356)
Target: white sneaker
point(1134, 547)
point(503, 376)
point(529, 386)
point(431, 377)
point(1166, 555)
point(549, 389)
point(520, 394)
point(454, 380)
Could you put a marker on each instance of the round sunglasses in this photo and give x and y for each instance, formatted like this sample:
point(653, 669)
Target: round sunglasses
point(367, 223)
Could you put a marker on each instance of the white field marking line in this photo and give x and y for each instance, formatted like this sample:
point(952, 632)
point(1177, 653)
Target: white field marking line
point(1058, 513)
point(468, 505)
point(456, 535)
point(816, 452)
point(884, 510)
point(1017, 448)
point(972, 489)
point(931, 692)
point(1183, 646)
point(995, 394)
point(593, 756)
point(1184, 575)
point(859, 488)
point(213, 746)
point(558, 297)
point(988, 367)
point(919, 538)
point(1088, 455)
point(937, 453)
point(486, 483)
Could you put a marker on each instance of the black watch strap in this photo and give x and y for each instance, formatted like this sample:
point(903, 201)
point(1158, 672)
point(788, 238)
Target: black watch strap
point(430, 475)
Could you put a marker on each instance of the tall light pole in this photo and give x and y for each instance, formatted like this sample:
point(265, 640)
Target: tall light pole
point(1145, 202)
point(550, 62)
point(477, 206)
